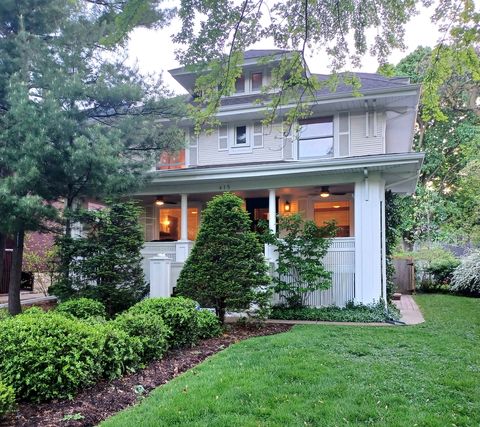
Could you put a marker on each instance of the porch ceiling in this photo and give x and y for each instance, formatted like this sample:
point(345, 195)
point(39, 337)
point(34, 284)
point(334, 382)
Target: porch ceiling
point(400, 172)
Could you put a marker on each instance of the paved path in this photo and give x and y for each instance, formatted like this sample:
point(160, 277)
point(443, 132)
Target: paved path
point(411, 314)
point(27, 298)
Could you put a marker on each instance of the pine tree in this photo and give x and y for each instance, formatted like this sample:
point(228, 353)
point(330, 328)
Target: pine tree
point(226, 269)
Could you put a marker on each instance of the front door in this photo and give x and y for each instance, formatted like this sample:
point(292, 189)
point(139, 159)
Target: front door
point(257, 208)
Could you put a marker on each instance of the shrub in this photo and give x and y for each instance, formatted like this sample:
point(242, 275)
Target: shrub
point(226, 268)
point(46, 356)
point(106, 264)
point(350, 313)
point(178, 313)
point(4, 314)
point(150, 330)
point(82, 308)
point(120, 352)
point(7, 399)
point(466, 277)
point(301, 249)
point(434, 266)
point(208, 325)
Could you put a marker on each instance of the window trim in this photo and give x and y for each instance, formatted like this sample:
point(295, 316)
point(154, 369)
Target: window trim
point(314, 120)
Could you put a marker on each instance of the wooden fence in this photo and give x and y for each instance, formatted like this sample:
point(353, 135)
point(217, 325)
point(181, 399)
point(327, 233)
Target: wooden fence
point(404, 278)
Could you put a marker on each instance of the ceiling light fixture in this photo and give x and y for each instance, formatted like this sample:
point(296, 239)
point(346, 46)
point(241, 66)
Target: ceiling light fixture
point(159, 201)
point(324, 192)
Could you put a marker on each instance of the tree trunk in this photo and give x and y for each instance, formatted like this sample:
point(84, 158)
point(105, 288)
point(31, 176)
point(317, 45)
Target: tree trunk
point(220, 310)
point(14, 305)
point(3, 245)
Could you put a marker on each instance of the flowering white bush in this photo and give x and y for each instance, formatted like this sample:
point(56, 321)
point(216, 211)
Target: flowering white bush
point(466, 277)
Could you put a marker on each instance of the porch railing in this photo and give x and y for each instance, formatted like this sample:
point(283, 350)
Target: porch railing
point(340, 260)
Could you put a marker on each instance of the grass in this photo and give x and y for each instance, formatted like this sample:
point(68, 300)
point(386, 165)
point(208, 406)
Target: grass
point(424, 375)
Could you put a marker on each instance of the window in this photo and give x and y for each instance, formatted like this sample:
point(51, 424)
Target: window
point(315, 137)
point(171, 160)
point(241, 135)
point(257, 81)
point(240, 85)
point(339, 211)
point(170, 224)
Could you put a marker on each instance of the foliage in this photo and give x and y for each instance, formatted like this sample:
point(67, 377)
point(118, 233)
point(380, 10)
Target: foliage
point(76, 121)
point(350, 313)
point(226, 268)
point(434, 266)
point(179, 315)
point(301, 247)
point(82, 308)
point(445, 206)
point(150, 330)
point(4, 314)
point(466, 277)
point(393, 221)
point(120, 352)
point(105, 265)
point(208, 325)
point(7, 399)
point(47, 356)
point(302, 28)
point(276, 378)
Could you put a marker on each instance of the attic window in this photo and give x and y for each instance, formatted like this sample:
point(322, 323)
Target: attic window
point(257, 81)
point(240, 85)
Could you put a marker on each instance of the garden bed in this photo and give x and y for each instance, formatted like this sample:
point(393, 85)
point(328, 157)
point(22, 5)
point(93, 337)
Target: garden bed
point(106, 398)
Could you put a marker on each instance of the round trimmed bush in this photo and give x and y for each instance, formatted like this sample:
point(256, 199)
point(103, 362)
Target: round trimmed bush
point(82, 308)
point(47, 356)
point(208, 325)
point(7, 399)
point(178, 313)
point(151, 331)
point(466, 277)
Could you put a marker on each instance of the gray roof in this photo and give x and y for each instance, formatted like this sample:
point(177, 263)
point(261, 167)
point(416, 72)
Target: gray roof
point(258, 53)
point(369, 81)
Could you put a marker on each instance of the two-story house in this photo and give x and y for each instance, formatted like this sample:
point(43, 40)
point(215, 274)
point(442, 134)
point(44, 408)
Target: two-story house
point(338, 165)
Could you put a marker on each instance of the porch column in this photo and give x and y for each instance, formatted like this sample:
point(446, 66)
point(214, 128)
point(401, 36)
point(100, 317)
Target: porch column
point(270, 253)
point(369, 239)
point(182, 247)
point(184, 223)
point(272, 211)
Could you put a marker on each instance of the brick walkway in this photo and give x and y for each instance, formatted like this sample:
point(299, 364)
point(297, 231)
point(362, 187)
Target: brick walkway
point(409, 310)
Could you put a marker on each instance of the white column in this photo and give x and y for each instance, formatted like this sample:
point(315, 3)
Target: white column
point(272, 211)
point(270, 253)
point(184, 219)
point(182, 247)
point(369, 239)
point(160, 272)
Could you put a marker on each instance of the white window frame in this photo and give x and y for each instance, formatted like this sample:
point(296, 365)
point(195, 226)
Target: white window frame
point(334, 139)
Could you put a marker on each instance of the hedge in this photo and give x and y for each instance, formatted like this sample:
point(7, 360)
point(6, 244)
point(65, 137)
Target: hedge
point(82, 308)
point(7, 399)
point(208, 325)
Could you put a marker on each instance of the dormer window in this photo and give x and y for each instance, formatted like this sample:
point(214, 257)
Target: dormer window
point(257, 81)
point(240, 84)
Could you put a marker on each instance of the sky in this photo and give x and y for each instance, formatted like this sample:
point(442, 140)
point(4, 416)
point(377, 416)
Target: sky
point(153, 50)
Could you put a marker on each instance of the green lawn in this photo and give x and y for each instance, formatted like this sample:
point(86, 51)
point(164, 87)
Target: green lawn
point(425, 375)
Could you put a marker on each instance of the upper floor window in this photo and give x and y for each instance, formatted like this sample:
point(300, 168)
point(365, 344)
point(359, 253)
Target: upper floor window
point(241, 135)
point(315, 137)
point(240, 84)
point(257, 81)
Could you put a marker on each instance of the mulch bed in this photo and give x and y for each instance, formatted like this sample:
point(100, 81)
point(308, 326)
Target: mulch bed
point(106, 398)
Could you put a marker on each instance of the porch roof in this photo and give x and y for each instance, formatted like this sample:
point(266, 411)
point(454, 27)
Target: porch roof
point(400, 172)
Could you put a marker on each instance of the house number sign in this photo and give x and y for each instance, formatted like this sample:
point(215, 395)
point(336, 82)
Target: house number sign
point(224, 187)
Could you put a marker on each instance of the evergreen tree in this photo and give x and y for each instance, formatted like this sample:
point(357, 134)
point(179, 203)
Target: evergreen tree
point(75, 121)
point(106, 263)
point(226, 269)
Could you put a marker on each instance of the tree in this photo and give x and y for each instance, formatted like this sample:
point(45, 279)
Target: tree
point(226, 269)
point(106, 264)
point(75, 121)
point(441, 206)
point(301, 246)
point(335, 30)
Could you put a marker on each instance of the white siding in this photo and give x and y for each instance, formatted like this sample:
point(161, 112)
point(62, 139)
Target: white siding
point(272, 150)
point(362, 145)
